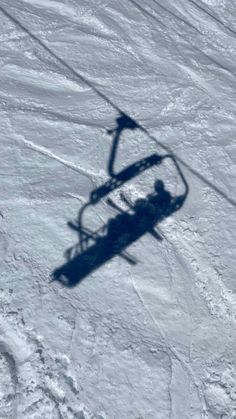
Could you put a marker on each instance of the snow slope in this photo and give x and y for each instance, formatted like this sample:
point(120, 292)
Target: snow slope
point(154, 340)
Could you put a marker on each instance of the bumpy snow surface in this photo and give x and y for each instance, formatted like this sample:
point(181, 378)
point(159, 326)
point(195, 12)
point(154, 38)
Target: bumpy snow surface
point(117, 291)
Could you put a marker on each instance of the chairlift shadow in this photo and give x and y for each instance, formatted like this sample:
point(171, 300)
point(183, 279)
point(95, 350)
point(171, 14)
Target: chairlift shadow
point(95, 248)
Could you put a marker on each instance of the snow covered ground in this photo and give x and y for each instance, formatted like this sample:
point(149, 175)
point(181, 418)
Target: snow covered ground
point(152, 337)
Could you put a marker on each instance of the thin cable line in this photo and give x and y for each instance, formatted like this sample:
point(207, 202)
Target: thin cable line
point(113, 105)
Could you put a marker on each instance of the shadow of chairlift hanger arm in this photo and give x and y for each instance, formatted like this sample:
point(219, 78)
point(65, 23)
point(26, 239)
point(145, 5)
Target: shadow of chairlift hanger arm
point(118, 179)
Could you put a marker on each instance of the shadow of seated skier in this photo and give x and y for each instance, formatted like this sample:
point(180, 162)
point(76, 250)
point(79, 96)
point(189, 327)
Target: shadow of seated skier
point(145, 216)
point(161, 199)
point(147, 212)
point(119, 229)
point(127, 228)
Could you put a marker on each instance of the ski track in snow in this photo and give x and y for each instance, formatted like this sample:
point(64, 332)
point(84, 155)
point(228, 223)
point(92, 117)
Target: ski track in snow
point(173, 353)
point(51, 155)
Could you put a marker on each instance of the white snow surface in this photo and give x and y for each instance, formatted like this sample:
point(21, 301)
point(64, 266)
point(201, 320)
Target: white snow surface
point(154, 340)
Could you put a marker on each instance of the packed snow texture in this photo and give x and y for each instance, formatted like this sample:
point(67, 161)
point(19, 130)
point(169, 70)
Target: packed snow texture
point(149, 339)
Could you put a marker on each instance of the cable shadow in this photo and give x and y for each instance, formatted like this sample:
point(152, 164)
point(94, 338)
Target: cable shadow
point(103, 96)
point(95, 248)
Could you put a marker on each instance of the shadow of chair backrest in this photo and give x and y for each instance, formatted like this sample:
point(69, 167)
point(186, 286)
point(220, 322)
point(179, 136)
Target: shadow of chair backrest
point(124, 176)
